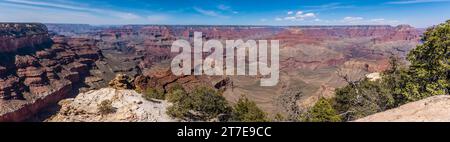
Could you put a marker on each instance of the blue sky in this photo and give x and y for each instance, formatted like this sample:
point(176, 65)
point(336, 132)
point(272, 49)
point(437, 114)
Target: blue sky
point(419, 13)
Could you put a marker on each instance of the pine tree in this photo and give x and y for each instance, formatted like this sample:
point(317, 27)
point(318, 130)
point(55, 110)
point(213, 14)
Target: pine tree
point(322, 111)
point(429, 72)
point(247, 111)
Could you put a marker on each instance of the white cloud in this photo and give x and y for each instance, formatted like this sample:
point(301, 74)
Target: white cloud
point(74, 7)
point(127, 16)
point(69, 12)
point(226, 8)
point(223, 7)
point(299, 16)
point(415, 1)
point(211, 13)
point(54, 5)
point(363, 21)
point(383, 21)
point(377, 20)
point(289, 18)
point(352, 20)
point(329, 6)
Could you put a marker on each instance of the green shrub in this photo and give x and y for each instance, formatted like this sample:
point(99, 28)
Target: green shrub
point(181, 102)
point(202, 104)
point(208, 102)
point(151, 93)
point(427, 75)
point(363, 99)
point(176, 94)
point(279, 118)
point(429, 72)
point(178, 111)
point(247, 111)
point(322, 111)
point(105, 107)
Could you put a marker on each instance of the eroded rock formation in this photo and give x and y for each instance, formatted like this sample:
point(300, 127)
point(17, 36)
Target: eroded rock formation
point(14, 36)
point(310, 56)
point(161, 77)
point(128, 106)
point(32, 78)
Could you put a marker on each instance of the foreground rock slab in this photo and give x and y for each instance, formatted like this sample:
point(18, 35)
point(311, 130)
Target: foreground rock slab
point(433, 109)
point(129, 107)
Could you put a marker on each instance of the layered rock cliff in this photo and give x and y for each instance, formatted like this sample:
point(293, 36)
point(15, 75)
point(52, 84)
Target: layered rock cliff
point(14, 36)
point(33, 78)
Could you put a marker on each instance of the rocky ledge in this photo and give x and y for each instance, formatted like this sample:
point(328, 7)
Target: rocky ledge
point(432, 109)
point(126, 106)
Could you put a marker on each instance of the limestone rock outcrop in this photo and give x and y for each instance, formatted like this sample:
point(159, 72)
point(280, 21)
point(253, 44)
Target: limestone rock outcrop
point(432, 109)
point(128, 105)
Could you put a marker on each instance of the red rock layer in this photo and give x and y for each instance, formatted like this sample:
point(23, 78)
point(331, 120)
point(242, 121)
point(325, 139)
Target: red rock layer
point(37, 77)
point(14, 36)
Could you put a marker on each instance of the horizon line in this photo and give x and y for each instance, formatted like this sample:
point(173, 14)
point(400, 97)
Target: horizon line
point(244, 25)
point(221, 25)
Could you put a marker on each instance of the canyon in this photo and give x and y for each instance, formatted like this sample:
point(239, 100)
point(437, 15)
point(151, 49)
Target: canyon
point(39, 67)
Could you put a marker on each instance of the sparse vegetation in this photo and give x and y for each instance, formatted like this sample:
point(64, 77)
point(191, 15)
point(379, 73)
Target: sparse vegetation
point(247, 111)
point(203, 104)
point(279, 118)
point(428, 75)
point(152, 93)
point(178, 111)
point(105, 107)
point(176, 94)
point(208, 102)
point(365, 98)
